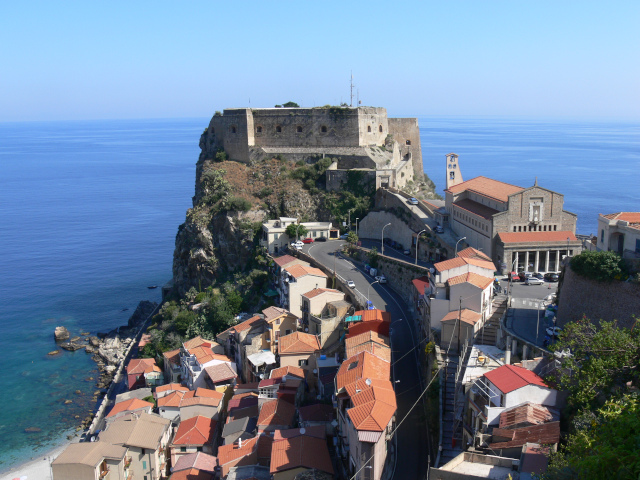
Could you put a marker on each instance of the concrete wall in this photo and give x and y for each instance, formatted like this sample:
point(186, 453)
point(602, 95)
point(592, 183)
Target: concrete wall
point(404, 129)
point(371, 227)
point(580, 297)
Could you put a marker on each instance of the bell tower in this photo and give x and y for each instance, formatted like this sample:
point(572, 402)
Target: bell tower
point(454, 175)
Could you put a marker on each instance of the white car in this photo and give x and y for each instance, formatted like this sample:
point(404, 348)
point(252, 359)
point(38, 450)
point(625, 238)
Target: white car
point(412, 201)
point(350, 284)
point(533, 281)
point(439, 229)
point(381, 279)
point(298, 245)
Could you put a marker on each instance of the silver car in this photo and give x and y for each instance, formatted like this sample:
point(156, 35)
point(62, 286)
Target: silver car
point(533, 281)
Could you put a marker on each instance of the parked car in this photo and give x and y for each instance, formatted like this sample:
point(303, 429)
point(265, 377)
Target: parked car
point(553, 332)
point(406, 252)
point(344, 236)
point(514, 277)
point(439, 229)
point(412, 201)
point(533, 281)
point(307, 240)
point(350, 284)
point(321, 239)
point(524, 275)
point(551, 277)
point(539, 275)
point(297, 244)
point(381, 279)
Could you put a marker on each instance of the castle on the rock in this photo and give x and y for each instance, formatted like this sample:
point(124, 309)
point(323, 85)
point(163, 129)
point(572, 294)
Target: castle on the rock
point(360, 138)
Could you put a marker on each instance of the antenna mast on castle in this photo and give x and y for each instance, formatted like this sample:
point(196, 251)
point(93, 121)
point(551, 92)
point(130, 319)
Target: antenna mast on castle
point(351, 101)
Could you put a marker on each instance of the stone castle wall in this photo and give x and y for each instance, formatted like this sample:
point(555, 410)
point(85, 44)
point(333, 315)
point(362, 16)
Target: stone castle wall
point(405, 131)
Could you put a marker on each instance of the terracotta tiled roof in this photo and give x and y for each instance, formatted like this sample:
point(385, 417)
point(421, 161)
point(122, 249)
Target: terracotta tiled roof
point(466, 315)
point(231, 452)
point(141, 366)
point(631, 217)
point(172, 399)
point(265, 443)
point(220, 372)
point(272, 313)
point(129, 406)
point(247, 324)
point(288, 370)
point(472, 278)
point(172, 356)
point(371, 342)
point(537, 237)
point(545, 434)
point(144, 339)
point(487, 187)
point(421, 283)
point(198, 460)
point(247, 386)
point(205, 355)
point(508, 378)
point(284, 260)
point(379, 326)
point(171, 387)
point(476, 208)
point(195, 431)
point(302, 451)
point(276, 412)
point(298, 271)
point(471, 252)
point(298, 342)
point(192, 474)
point(319, 291)
point(462, 261)
point(364, 365)
point(319, 412)
point(198, 342)
point(317, 431)
point(202, 396)
point(374, 407)
point(243, 400)
point(527, 414)
point(372, 315)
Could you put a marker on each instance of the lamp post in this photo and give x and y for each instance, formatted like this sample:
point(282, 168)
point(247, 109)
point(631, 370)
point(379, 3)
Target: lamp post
point(383, 237)
point(369, 290)
point(463, 238)
point(417, 240)
point(357, 218)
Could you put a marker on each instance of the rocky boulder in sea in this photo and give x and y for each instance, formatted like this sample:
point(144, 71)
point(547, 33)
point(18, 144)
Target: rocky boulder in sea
point(61, 333)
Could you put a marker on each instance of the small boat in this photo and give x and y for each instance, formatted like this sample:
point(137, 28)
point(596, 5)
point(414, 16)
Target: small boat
point(152, 287)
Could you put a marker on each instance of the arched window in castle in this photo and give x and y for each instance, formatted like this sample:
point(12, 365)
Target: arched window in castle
point(323, 129)
point(278, 129)
point(233, 129)
point(213, 130)
point(380, 128)
point(408, 142)
point(369, 129)
point(259, 129)
point(298, 129)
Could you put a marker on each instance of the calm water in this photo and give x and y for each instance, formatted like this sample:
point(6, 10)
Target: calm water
point(89, 213)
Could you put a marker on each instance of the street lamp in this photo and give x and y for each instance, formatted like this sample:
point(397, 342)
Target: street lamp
point(463, 238)
point(357, 218)
point(383, 237)
point(369, 290)
point(417, 240)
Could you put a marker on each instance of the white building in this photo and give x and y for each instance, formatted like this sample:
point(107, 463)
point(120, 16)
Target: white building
point(275, 240)
point(620, 232)
point(297, 280)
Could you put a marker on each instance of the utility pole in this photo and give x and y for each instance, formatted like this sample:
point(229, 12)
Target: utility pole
point(459, 325)
point(351, 101)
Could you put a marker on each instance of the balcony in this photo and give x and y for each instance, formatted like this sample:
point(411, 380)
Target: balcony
point(127, 462)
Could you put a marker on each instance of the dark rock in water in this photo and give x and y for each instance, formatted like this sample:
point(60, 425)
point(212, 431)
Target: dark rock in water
point(94, 341)
point(144, 309)
point(61, 333)
point(72, 347)
point(32, 430)
point(54, 352)
point(75, 339)
point(85, 334)
point(67, 402)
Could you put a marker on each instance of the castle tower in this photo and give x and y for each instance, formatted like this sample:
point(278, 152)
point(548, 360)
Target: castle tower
point(454, 175)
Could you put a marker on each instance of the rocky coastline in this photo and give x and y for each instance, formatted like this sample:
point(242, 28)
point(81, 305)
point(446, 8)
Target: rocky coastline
point(108, 350)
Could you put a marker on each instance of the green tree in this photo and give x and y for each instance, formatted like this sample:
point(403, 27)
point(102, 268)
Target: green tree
point(601, 266)
point(291, 105)
point(296, 230)
point(605, 447)
point(373, 257)
point(603, 358)
point(352, 238)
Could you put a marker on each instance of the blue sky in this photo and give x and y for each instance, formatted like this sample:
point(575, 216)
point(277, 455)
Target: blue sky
point(92, 60)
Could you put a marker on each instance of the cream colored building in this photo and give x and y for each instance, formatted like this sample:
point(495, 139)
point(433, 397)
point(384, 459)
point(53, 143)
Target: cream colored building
point(275, 240)
point(620, 232)
point(146, 438)
point(280, 322)
point(92, 461)
point(300, 349)
point(323, 310)
point(297, 280)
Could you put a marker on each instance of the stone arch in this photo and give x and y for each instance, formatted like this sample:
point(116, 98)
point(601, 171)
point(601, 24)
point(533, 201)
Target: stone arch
point(323, 129)
point(278, 129)
point(259, 129)
point(369, 129)
point(233, 129)
point(299, 129)
point(380, 128)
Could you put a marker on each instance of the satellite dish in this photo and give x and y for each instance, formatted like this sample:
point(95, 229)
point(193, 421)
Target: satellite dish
point(315, 370)
point(368, 381)
point(261, 376)
point(302, 431)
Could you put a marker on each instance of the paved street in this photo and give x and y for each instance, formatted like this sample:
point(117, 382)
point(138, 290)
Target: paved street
point(412, 438)
point(392, 252)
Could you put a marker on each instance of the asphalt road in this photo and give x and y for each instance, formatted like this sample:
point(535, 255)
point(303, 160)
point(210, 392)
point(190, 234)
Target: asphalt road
point(412, 438)
point(392, 252)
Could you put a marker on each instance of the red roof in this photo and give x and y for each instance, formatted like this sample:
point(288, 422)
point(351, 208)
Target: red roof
point(302, 451)
point(421, 284)
point(172, 356)
point(479, 281)
point(231, 452)
point(195, 431)
point(545, 434)
point(318, 431)
point(220, 373)
point(471, 252)
point(537, 237)
point(141, 366)
point(319, 412)
point(372, 315)
point(171, 387)
point(461, 262)
point(276, 412)
point(198, 460)
point(378, 326)
point(298, 342)
point(284, 259)
point(487, 187)
point(508, 378)
point(288, 370)
point(319, 291)
point(247, 324)
point(129, 406)
point(632, 217)
point(363, 365)
point(466, 315)
point(298, 271)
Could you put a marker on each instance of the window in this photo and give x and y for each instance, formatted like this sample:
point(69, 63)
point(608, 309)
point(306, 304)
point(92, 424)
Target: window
point(144, 464)
point(369, 129)
point(602, 235)
point(278, 129)
point(142, 451)
point(287, 332)
point(277, 321)
point(323, 129)
point(554, 228)
point(303, 363)
point(275, 236)
point(183, 449)
point(299, 129)
point(199, 449)
point(259, 129)
point(408, 142)
point(637, 245)
point(380, 128)
point(233, 129)
point(213, 130)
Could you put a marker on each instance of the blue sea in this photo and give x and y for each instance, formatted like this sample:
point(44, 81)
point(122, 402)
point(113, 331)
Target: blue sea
point(89, 212)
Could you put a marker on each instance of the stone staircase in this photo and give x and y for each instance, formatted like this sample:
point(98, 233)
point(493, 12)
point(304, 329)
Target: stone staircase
point(489, 333)
point(451, 430)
